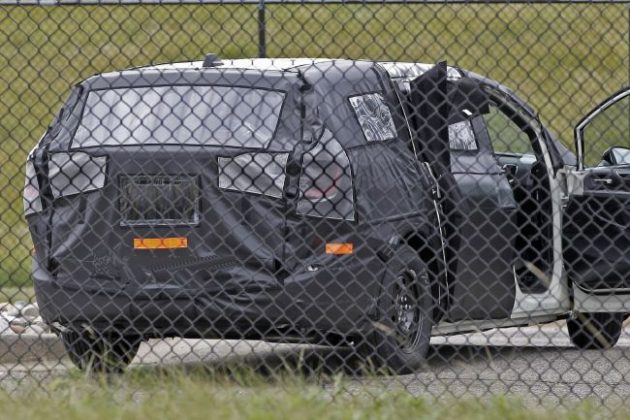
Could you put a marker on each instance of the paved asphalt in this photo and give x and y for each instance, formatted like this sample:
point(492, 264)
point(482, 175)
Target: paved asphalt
point(536, 363)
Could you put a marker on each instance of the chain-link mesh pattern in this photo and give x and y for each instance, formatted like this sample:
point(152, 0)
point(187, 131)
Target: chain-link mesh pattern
point(441, 192)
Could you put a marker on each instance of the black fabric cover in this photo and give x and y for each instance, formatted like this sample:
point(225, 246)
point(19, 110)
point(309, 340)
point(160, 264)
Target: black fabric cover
point(251, 254)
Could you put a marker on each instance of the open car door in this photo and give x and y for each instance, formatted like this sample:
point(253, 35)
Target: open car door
point(476, 201)
point(596, 229)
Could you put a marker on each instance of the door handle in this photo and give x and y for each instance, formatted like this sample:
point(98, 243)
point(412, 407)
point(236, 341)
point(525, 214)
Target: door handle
point(602, 180)
point(510, 172)
point(509, 168)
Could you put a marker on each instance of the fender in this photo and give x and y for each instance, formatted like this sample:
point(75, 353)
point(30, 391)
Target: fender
point(428, 244)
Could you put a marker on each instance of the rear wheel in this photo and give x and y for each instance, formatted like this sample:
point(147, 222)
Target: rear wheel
point(595, 330)
point(401, 334)
point(100, 353)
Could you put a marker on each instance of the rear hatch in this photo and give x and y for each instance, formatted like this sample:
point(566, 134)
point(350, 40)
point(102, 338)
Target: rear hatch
point(169, 180)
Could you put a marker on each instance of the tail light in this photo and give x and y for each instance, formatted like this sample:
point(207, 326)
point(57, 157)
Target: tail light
point(256, 173)
point(325, 185)
point(326, 181)
point(74, 173)
point(31, 196)
point(68, 174)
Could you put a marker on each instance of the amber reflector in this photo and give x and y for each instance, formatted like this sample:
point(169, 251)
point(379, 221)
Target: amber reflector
point(338, 249)
point(160, 243)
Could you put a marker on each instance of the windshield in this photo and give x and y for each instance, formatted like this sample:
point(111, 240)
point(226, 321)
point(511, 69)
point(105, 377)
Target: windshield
point(192, 115)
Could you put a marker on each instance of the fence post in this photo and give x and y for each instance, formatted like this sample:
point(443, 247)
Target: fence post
point(262, 42)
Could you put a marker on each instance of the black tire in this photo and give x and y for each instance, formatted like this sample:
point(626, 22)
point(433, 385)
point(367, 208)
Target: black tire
point(100, 353)
point(595, 330)
point(400, 338)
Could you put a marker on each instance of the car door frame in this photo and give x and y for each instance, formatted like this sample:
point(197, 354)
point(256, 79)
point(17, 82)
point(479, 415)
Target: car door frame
point(527, 308)
point(556, 300)
point(601, 300)
point(476, 293)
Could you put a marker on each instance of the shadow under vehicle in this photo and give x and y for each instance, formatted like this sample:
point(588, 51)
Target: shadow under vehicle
point(340, 202)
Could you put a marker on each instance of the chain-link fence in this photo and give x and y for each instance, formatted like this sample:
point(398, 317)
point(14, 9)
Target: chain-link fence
point(441, 190)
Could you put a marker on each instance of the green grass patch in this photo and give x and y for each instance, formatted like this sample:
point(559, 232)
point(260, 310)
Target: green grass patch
point(17, 293)
point(167, 395)
point(562, 58)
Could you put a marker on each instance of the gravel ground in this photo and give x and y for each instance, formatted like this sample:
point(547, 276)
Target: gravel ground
point(536, 363)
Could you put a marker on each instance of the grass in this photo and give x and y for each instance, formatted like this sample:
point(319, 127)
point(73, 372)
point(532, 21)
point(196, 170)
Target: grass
point(199, 396)
point(14, 294)
point(562, 58)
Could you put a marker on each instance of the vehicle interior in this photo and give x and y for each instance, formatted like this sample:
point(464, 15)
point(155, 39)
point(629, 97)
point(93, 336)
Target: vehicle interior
point(516, 147)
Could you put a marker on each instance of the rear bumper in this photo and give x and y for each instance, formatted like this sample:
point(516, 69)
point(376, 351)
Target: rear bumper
point(157, 312)
point(161, 311)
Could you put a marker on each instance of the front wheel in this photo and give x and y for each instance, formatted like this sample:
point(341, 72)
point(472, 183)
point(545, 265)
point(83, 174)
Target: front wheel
point(100, 353)
point(399, 340)
point(595, 330)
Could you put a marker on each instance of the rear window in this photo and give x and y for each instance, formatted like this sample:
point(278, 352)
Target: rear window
point(191, 115)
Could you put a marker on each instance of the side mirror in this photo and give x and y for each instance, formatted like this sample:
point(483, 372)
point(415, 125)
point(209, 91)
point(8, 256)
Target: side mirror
point(617, 155)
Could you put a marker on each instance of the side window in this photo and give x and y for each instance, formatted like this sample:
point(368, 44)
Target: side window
point(374, 117)
point(505, 135)
point(608, 129)
point(461, 137)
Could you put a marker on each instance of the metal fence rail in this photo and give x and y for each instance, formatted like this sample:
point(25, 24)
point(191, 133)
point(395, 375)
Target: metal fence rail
point(317, 2)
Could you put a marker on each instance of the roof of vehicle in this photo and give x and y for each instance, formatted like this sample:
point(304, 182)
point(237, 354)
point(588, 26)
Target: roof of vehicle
point(400, 72)
point(396, 69)
point(243, 70)
point(263, 64)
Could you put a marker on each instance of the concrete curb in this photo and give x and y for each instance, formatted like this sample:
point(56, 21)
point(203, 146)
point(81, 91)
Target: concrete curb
point(16, 348)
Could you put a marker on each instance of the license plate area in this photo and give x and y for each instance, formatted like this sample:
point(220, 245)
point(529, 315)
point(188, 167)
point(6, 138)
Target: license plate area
point(159, 200)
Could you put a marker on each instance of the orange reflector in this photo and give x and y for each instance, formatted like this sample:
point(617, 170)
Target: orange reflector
point(160, 243)
point(338, 249)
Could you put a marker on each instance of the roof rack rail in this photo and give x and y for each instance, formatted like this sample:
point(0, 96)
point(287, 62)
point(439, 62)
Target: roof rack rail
point(212, 60)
